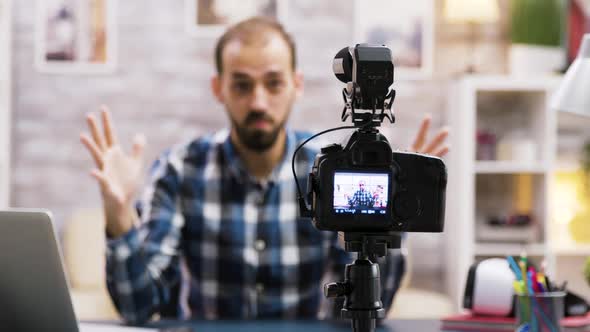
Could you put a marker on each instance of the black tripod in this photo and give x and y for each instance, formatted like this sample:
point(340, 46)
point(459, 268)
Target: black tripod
point(362, 285)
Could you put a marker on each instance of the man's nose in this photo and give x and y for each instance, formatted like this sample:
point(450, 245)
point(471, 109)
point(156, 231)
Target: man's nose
point(260, 98)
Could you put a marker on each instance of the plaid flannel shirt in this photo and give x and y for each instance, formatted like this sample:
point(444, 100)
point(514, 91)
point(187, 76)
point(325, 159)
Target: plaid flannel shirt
point(236, 246)
point(361, 198)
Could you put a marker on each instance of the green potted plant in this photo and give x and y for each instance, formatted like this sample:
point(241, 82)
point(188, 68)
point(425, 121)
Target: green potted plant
point(535, 34)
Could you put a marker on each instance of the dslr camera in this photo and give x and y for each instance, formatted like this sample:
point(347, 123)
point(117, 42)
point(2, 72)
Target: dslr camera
point(362, 185)
point(367, 191)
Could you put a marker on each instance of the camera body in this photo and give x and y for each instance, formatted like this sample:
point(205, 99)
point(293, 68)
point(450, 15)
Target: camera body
point(365, 187)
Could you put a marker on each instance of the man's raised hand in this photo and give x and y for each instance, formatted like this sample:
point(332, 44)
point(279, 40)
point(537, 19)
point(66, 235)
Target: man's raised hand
point(117, 173)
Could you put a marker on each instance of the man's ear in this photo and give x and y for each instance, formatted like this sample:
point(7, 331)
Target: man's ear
point(216, 87)
point(298, 84)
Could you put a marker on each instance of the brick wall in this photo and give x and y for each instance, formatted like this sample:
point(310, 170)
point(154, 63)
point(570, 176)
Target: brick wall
point(161, 88)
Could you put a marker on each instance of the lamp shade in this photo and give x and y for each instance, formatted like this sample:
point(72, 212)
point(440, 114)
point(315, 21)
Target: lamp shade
point(573, 94)
point(471, 11)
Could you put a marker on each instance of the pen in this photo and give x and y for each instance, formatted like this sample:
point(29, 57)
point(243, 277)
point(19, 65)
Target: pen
point(563, 286)
point(514, 267)
point(536, 280)
point(541, 274)
point(518, 287)
point(522, 265)
point(523, 307)
point(530, 285)
point(527, 290)
point(541, 283)
point(549, 284)
point(531, 277)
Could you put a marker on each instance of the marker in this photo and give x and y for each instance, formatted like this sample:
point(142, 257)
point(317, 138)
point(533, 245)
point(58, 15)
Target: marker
point(522, 265)
point(542, 281)
point(514, 267)
point(531, 277)
point(527, 305)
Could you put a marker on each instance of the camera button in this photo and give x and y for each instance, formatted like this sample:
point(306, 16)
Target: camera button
point(259, 245)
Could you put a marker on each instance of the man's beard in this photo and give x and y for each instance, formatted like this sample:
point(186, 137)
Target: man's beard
point(256, 139)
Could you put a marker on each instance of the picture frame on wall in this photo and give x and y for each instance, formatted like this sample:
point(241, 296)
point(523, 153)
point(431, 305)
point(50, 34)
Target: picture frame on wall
point(210, 18)
point(76, 36)
point(409, 36)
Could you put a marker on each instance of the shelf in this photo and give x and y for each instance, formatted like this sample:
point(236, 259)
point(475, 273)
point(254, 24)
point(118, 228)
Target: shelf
point(513, 249)
point(511, 83)
point(568, 166)
point(509, 167)
point(572, 249)
point(513, 109)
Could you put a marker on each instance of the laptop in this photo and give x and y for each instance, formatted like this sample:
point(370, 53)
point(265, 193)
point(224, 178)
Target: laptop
point(34, 294)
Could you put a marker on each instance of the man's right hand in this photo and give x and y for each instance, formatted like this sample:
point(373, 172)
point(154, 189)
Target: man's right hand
point(118, 174)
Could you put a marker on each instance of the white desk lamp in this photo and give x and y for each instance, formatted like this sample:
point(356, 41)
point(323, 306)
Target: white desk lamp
point(573, 94)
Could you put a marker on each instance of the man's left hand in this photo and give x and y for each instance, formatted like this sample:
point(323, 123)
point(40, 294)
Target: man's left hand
point(436, 146)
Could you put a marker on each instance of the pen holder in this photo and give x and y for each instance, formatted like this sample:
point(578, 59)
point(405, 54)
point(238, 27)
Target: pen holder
point(540, 312)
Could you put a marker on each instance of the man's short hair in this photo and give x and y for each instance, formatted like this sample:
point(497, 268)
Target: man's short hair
point(255, 29)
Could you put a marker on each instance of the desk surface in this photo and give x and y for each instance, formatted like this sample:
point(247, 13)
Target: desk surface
point(287, 326)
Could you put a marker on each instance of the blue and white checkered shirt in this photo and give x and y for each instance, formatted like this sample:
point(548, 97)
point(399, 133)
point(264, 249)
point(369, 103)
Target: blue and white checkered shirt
point(361, 198)
point(237, 246)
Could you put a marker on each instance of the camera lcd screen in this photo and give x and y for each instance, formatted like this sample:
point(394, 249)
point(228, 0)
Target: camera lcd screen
point(361, 193)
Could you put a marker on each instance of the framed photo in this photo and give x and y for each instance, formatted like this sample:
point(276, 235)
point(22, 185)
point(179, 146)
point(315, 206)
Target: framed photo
point(76, 36)
point(406, 27)
point(210, 18)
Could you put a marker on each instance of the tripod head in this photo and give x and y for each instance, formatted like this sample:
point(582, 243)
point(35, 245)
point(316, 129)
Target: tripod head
point(362, 283)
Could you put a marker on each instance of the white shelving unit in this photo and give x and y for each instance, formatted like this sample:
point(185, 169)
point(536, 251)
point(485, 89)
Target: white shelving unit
point(5, 102)
point(582, 250)
point(513, 249)
point(509, 167)
point(570, 256)
point(478, 189)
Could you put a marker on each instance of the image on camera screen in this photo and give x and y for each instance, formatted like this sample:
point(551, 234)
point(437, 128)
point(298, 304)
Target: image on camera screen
point(360, 193)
